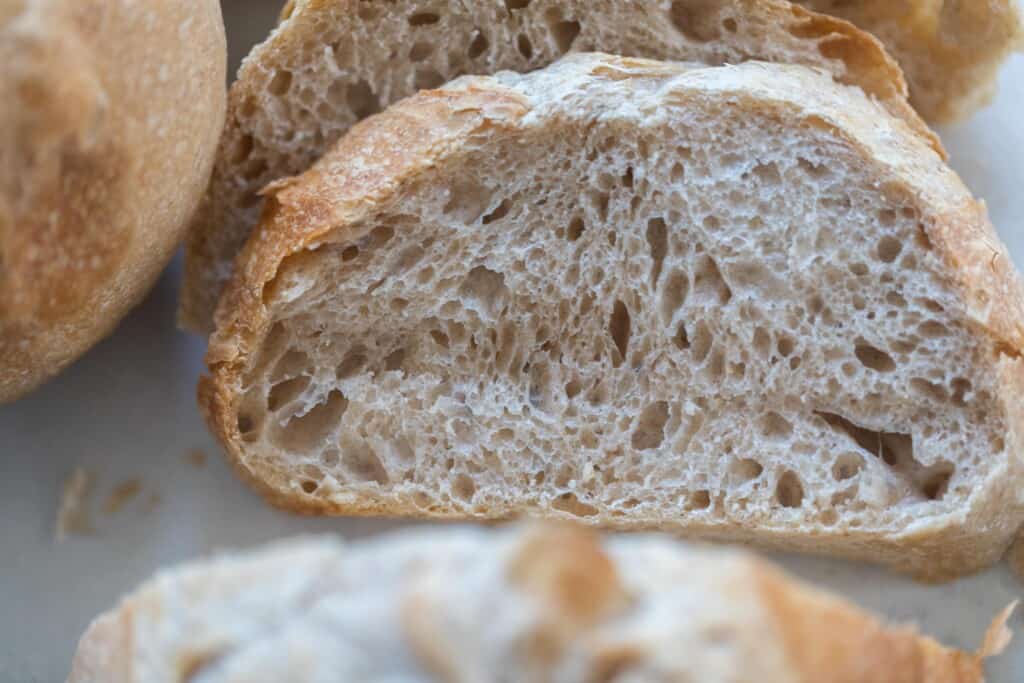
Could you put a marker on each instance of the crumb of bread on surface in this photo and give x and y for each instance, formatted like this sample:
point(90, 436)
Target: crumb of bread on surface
point(998, 635)
point(73, 513)
point(153, 501)
point(121, 494)
point(196, 457)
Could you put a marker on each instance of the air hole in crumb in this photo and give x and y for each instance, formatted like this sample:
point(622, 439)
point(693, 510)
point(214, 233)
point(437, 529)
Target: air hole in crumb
point(650, 429)
point(478, 46)
point(427, 78)
point(921, 238)
point(701, 342)
point(564, 33)
point(619, 328)
point(674, 294)
point(424, 19)
point(395, 360)
point(568, 502)
point(517, 4)
point(812, 169)
point(785, 345)
point(873, 357)
point(440, 338)
point(245, 424)
point(420, 51)
point(708, 283)
point(776, 427)
point(362, 100)
point(889, 249)
point(576, 228)
point(695, 20)
point(280, 83)
point(283, 393)
point(932, 329)
point(350, 253)
point(499, 212)
point(936, 484)
point(485, 286)
point(525, 46)
point(305, 433)
point(762, 342)
point(573, 388)
point(309, 486)
point(242, 150)
point(729, 24)
point(789, 490)
point(362, 463)
point(700, 500)
point(847, 466)
point(657, 241)
point(747, 469)
point(352, 363)
point(681, 340)
point(463, 488)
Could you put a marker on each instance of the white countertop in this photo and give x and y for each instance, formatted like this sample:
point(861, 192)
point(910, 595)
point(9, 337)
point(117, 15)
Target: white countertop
point(127, 411)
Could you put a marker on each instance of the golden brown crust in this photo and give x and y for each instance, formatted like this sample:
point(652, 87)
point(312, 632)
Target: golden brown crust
point(112, 117)
point(384, 153)
point(786, 33)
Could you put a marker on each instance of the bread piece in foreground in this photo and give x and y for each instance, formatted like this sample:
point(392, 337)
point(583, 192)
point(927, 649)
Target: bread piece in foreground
point(540, 604)
point(950, 51)
point(736, 302)
point(110, 119)
point(333, 62)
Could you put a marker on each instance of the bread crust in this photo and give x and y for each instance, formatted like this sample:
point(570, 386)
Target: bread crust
point(780, 32)
point(577, 595)
point(112, 114)
point(385, 153)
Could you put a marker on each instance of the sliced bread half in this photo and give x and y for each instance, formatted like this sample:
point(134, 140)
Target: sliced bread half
point(333, 62)
point(543, 604)
point(950, 51)
point(739, 302)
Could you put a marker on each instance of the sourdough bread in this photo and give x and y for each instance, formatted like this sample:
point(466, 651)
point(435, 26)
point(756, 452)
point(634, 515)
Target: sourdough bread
point(737, 302)
point(543, 604)
point(333, 62)
point(110, 119)
point(950, 51)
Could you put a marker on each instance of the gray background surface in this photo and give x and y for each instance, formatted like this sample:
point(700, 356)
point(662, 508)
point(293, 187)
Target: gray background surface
point(127, 411)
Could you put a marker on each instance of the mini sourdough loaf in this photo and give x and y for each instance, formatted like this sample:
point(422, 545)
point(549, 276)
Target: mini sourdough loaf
point(327, 66)
point(546, 604)
point(110, 112)
point(951, 51)
point(738, 302)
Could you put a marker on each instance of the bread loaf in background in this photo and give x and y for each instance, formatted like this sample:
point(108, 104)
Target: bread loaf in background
point(950, 51)
point(740, 302)
point(331, 63)
point(537, 604)
point(111, 114)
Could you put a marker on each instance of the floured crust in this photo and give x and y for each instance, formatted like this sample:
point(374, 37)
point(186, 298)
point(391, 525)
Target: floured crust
point(113, 111)
point(950, 51)
point(544, 603)
point(383, 154)
point(251, 153)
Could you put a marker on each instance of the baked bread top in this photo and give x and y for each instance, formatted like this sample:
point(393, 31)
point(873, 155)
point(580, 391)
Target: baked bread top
point(112, 112)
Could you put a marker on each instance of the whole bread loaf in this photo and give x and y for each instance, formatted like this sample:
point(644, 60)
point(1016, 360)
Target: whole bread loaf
point(110, 119)
point(540, 604)
point(740, 302)
point(333, 62)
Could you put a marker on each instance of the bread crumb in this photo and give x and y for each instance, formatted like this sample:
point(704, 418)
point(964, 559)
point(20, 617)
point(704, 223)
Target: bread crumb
point(121, 494)
point(196, 457)
point(998, 634)
point(73, 513)
point(152, 501)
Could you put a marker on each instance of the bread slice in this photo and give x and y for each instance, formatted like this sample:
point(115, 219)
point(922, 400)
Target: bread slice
point(539, 604)
point(332, 62)
point(738, 302)
point(950, 51)
point(110, 116)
